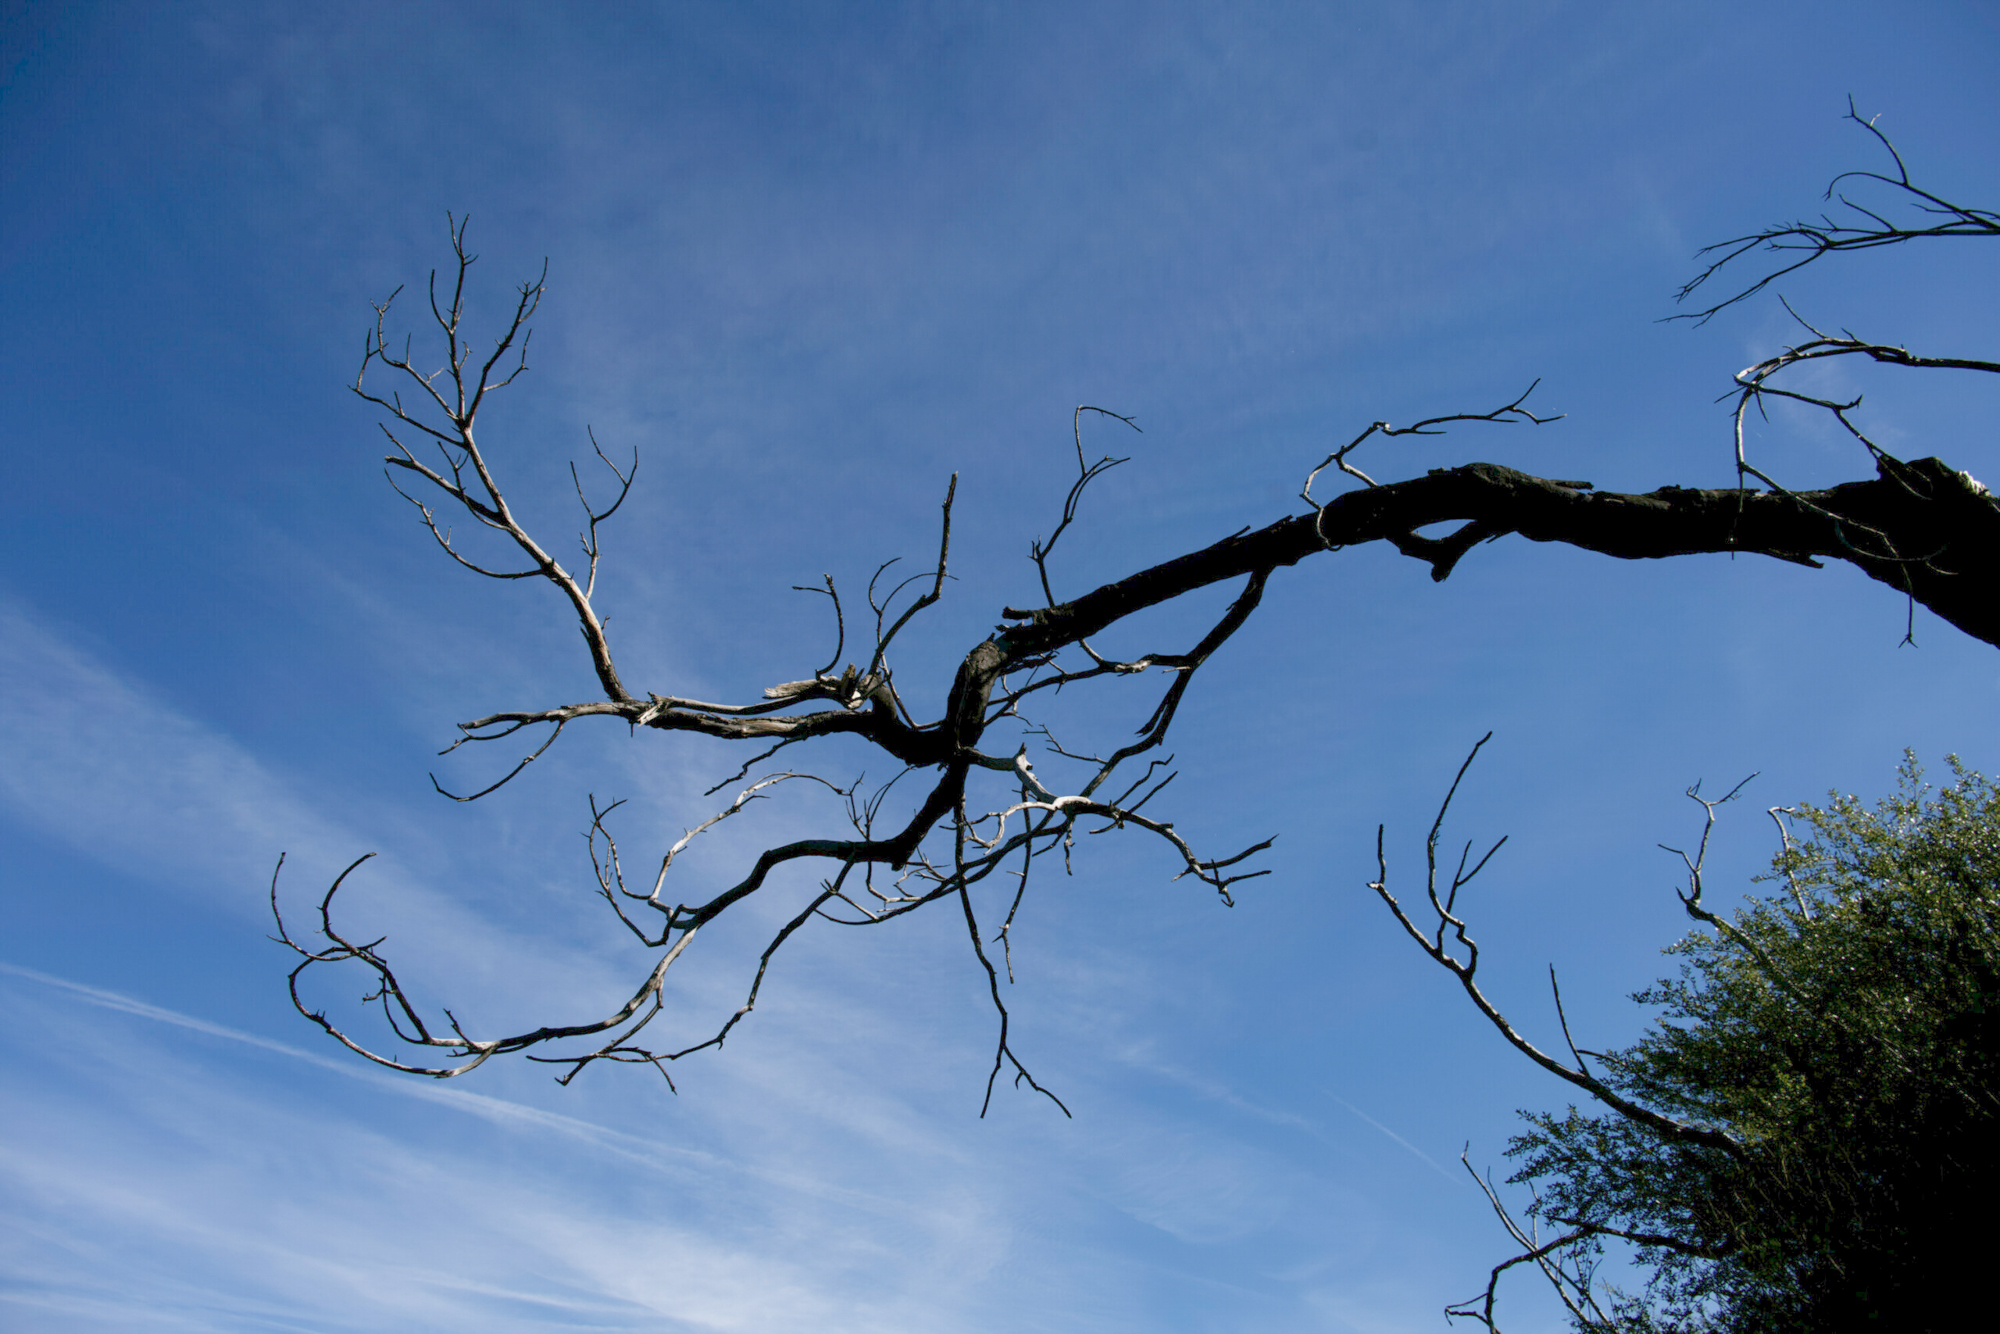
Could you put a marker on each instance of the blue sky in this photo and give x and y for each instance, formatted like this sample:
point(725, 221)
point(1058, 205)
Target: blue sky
point(810, 261)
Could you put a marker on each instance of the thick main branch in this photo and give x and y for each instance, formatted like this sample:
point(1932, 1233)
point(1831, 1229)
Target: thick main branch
point(1921, 527)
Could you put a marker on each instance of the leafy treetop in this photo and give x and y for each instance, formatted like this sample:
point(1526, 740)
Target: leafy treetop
point(1843, 1033)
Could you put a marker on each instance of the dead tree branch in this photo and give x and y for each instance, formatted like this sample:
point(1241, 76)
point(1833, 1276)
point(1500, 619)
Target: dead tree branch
point(974, 807)
point(1459, 956)
point(1567, 1262)
point(1861, 227)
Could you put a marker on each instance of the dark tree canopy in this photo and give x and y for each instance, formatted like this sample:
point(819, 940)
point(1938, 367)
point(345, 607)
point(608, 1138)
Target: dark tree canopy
point(982, 794)
point(1805, 1138)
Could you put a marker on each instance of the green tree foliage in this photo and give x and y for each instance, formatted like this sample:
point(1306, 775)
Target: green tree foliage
point(1843, 1032)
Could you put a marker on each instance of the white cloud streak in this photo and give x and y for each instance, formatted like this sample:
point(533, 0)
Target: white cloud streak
point(234, 1197)
point(190, 1183)
point(140, 786)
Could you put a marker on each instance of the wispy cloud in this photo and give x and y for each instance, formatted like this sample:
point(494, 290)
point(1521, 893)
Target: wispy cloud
point(135, 784)
point(190, 1183)
point(232, 1198)
point(168, 1171)
point(109, 767)
point(1428, 1161)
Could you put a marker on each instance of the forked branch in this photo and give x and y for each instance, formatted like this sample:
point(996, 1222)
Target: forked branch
point(1863, 226)
point(1459, 956)
point(965, 804)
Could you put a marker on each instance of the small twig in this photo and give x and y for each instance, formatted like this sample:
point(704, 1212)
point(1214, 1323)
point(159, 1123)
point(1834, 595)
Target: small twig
point(1830, 235)
point(1511, 412)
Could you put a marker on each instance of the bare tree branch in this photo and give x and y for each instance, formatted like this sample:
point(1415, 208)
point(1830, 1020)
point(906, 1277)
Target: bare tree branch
point(1866, 229)
point(1564, 1261)
point(964, 802)
point(458, 409)
point(1464, 965)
